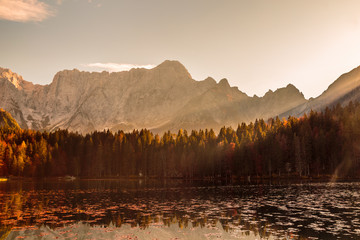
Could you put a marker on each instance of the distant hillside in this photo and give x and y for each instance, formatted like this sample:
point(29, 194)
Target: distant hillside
point(345, 89)
point(7, 121)
point(160, 99)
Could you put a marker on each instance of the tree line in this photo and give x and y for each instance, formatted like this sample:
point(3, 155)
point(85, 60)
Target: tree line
point(316, 144)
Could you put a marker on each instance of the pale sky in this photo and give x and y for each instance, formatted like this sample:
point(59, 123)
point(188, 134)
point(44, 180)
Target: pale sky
point(256, 44)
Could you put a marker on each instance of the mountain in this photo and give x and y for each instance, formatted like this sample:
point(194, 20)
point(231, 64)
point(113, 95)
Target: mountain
point(223, 105)
point(84, 102)
point(14, 95)
point(7, 121)
point(343, 90)
point(160, 99)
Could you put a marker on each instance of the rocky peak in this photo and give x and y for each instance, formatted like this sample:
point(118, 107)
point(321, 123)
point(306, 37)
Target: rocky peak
point(291, 87)
point(171, 64)
point(75, 79)
point(16, 80)
point(66, 74)
point(290, 92)
point(210, 80)
point(13, 78)
point(224, 83)
point(171, 67)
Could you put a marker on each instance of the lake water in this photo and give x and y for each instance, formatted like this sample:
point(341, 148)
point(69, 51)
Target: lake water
point(114, 209)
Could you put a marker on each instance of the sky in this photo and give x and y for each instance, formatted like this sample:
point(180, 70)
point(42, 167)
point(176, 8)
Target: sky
point(256, 44)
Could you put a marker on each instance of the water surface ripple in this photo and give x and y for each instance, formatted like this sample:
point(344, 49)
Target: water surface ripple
point(269, 211)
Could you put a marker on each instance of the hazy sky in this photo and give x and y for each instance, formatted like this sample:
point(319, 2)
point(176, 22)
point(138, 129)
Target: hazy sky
point(257, 45)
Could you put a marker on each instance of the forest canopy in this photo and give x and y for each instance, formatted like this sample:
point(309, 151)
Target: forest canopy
point(317, 144)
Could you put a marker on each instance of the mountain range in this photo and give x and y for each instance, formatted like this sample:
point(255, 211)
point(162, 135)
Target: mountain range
point(160, 99)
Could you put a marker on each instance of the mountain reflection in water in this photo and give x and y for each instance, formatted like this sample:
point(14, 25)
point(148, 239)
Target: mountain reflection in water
point(147, 209)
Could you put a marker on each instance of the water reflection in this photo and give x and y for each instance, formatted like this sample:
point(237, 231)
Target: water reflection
point(291, 211)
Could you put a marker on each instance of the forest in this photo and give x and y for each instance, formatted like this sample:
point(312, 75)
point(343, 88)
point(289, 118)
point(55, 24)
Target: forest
point(319, 144)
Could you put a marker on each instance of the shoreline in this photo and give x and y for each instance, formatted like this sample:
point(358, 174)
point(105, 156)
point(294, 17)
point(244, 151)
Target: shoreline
point(234, 179)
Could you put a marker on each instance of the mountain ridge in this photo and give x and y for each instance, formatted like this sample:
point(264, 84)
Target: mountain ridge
point(334, 94)
point(163, 98)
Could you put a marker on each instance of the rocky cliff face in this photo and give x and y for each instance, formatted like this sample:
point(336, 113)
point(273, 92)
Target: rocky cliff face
point(163, 98)
point(138, 98)
point(14, 94)
point(84, 102)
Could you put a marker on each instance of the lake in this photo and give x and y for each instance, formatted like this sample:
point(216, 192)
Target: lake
point(174, 209)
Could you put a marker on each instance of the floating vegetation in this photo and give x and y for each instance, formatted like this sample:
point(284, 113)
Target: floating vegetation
point(297, 211)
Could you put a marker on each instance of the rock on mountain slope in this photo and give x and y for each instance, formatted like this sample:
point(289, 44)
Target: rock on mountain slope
point(163, 98)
